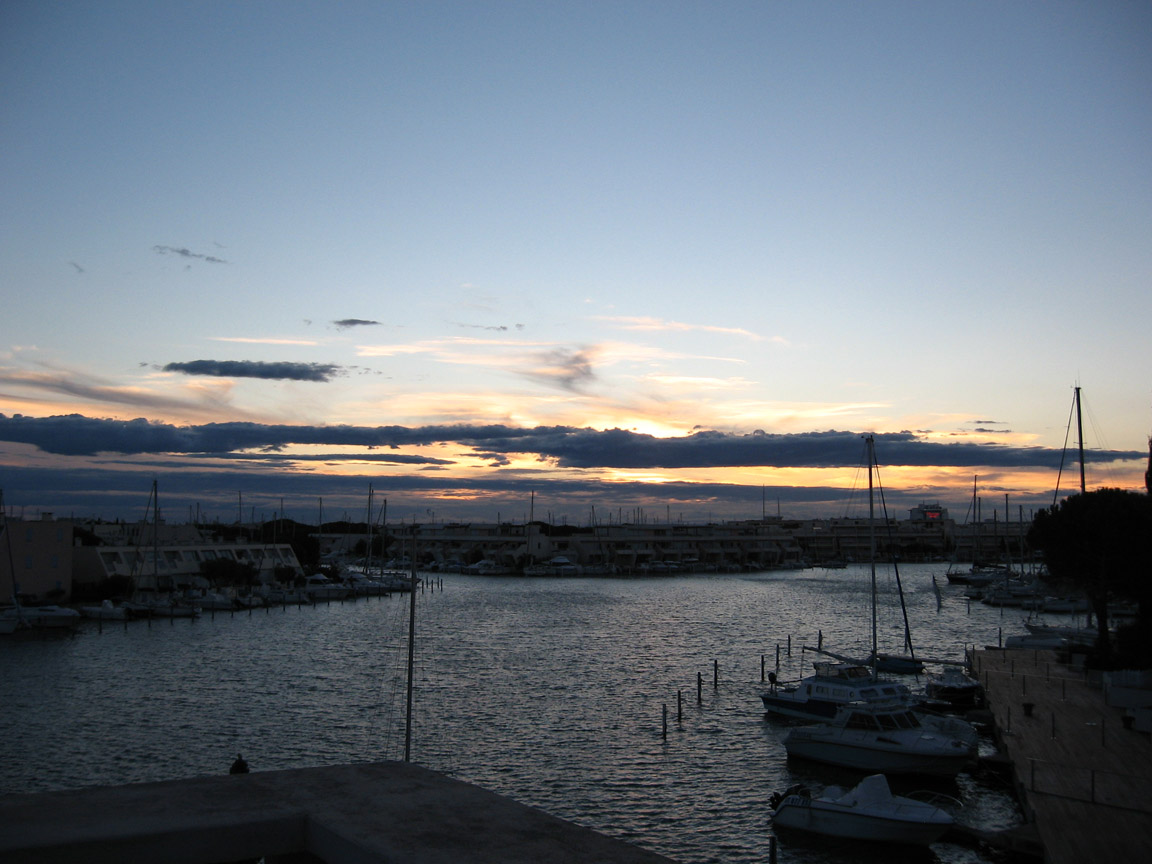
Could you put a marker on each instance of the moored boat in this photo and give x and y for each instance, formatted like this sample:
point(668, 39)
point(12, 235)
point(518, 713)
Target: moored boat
point(41, 617)
point(867, 812)
point(834, 685)
point(954, 686)
point(890, 740)
point(106, 611)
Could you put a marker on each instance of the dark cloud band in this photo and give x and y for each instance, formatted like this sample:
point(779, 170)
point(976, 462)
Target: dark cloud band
point(564, 446)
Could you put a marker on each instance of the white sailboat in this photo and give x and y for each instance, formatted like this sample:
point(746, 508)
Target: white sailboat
point(868, 731)
point(20, 616)
point(149, 601)
point(834, 685)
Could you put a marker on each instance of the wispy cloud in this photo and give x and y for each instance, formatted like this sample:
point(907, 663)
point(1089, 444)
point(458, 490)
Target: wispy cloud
point(567, 368)
point(256, 340)
point(659, 324)
point(499, 328)
point(345, 323)
point(280, 371)
point(91, 388)
point(187, 253)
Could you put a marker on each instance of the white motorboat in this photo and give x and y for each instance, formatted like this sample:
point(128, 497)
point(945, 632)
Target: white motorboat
point(820, 696)
point(41, 617)
point(319, 588)
point(868, 812)
point(888, 739)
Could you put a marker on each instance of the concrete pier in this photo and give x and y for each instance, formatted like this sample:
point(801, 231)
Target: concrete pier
point(1083, 778)
point(377, 813)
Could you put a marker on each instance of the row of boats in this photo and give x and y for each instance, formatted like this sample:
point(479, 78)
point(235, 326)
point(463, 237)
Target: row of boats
point(866, 723)
point(316, 588)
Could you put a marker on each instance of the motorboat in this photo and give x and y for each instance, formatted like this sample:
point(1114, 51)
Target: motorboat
point(889, 739)
point(956, 687)
point(213, 601)
point(868, 812)
point(834, 685)
point(319, 588)
point(106, 611)
point(41, 617)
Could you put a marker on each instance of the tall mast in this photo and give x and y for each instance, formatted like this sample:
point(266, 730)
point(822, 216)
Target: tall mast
point(1080, 437)
point(872, 543)
point(411, 654)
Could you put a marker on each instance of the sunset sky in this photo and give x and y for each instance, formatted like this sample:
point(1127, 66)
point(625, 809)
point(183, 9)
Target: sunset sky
point(627, 257)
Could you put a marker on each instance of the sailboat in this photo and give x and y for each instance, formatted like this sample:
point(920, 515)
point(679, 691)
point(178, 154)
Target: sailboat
point(873, 725)
point(21, 617)
point(148, 602)
point(833, 685)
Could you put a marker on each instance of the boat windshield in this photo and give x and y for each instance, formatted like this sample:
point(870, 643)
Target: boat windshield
point(860, 720)
point(887, 721)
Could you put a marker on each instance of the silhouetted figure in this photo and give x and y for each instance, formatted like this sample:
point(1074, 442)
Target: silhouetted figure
point(239, 766)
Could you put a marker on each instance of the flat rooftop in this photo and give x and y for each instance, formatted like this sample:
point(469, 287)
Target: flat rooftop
point(346, 814)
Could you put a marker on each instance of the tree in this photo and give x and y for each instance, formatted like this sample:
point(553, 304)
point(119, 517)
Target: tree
point(1099, 543)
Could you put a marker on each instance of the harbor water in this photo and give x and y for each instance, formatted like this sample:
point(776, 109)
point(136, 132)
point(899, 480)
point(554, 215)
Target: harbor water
point(553, 692)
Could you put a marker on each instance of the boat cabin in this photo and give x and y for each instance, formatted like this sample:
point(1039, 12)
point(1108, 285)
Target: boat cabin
point(888, 721)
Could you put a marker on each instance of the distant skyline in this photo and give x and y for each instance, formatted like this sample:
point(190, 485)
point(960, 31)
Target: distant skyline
point(672, 259)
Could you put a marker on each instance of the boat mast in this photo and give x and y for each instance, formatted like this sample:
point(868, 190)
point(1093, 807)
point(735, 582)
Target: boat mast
point(411, 654)
point(872, 543)
point(1080, 438)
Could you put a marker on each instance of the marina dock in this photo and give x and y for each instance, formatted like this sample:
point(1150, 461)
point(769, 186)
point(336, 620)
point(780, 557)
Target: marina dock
point(370, 813)
point(1083, 777)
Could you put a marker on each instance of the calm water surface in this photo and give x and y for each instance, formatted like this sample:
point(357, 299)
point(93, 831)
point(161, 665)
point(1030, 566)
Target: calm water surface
point(550, 691)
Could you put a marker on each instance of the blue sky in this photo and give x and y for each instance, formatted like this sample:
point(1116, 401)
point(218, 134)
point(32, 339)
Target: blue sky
point(672, 256)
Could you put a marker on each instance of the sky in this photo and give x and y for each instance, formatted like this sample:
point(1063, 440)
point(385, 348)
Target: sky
point(595, 261)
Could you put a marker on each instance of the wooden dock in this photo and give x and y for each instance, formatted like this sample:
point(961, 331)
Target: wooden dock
point(1083, 778)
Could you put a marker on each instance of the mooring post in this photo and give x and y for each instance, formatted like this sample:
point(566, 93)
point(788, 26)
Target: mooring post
point(777, 659)
point(789, 644)
point(771, 849)
point(679, 706)
point(715, 674)
point(664, 730)
point(761, 668)
point(699, 689)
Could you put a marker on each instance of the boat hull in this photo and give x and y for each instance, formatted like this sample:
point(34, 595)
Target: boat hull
point(929, 755)
point(833, 820)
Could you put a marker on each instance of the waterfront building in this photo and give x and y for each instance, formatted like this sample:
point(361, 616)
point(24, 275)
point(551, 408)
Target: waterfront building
point(36, 560)
point(176, 557)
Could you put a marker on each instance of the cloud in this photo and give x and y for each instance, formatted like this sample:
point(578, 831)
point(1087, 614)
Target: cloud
point(565, 446)
point(79, 269)
point(280, 371)
point(187, 253)
point(345, 323)
point(569, 369)
point(88, 387)
point(659, 324)
point(253, 340)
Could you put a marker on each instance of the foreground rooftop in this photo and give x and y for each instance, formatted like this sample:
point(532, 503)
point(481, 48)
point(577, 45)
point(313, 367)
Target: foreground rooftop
point(346, 814)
